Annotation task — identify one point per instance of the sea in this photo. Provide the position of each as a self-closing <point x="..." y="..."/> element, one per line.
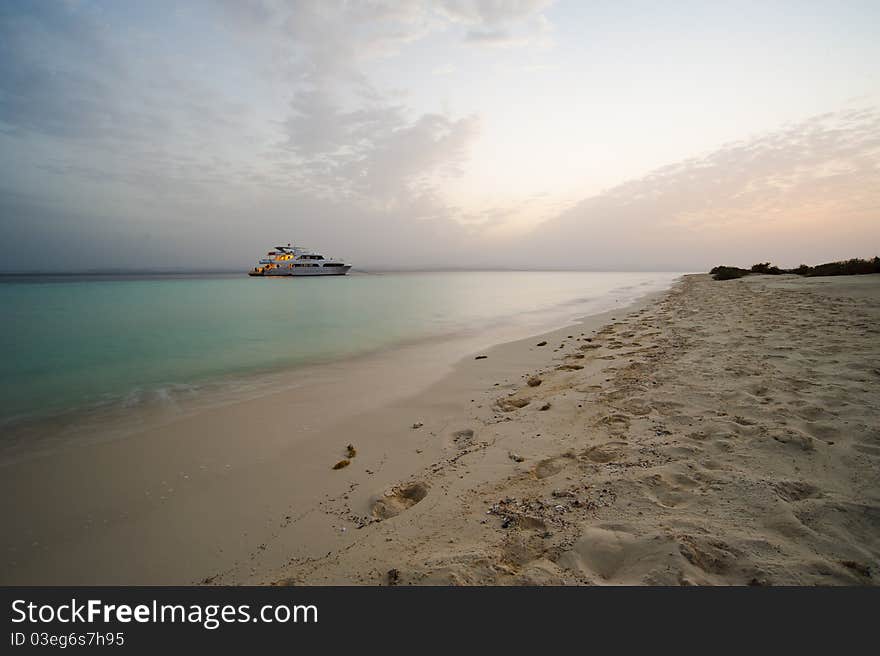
<point x="78" y="349"/>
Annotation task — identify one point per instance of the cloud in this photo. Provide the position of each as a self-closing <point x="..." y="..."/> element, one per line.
<point x="812" y="188"/>
<point x="489" y="37"/>
<point x="32" y="85"/>
<point x="506" y="25"/>
<point x="342" y="136"/>
<point x="235" y="123"/>
<point x="116" y="141"/>
<point x="221" y="234"/>
<point x="375" y="153"/>
<point x="65" y="73"/>
<point x="337" y="35"/>
<point x="413" y="155"/>
<point x="489" y="13"/>
<point x="445" y="69"/>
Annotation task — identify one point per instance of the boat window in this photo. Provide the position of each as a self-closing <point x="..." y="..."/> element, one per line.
<point x="333" y="264"/>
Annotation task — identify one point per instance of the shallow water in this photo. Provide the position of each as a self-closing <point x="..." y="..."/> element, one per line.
<point x="84" y="344"/>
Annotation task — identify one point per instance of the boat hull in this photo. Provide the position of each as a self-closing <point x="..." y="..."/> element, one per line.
<point x="303" y="272"/>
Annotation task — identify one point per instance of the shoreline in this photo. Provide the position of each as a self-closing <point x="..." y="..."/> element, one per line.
<point x="154" y="405"/>
<point x="99" y="509"/>
<point x="714" y="433"/>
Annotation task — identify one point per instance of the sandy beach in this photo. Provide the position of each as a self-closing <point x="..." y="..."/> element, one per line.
<point x="724" y="432"/>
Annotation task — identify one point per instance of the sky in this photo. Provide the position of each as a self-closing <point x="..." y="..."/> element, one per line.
<point x="456" y="133"/>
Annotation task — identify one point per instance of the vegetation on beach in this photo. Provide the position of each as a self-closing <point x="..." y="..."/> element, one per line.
<point x="728" y="272"/>
<point x="855" y="266"/>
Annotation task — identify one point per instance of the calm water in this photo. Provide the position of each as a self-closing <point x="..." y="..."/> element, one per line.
<point x="86" y="344"/>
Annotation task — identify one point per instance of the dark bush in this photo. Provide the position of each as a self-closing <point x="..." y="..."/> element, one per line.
<point x="766" y="268"/>
<point x="852" y="267"/>
<point x="728" y="273"/>
<point x="855" y="266"/>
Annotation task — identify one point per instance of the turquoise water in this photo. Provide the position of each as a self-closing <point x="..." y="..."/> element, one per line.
<point x="75" y="344"/>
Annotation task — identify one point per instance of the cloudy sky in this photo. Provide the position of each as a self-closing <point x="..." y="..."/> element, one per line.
<point x="520" y="133"/>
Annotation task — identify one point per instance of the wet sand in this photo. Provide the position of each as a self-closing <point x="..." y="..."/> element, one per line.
<point x="721" y="433"/>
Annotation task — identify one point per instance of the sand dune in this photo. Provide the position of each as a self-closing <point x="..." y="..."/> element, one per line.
<point x="727" y="433"/>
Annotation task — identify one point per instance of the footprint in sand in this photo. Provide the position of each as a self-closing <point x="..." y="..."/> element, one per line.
<point x="795" y="439"/>
<point x="663" y="492"/>
<point x="551" y="466"/>
<point x="398" y="499"/>
<point x="668" y="408"/>
<point x="603" y="453"/>
<point x="635" y="407"/>
<point x="622" y="554"/>
<point x="813" y="413"/>
<point x="710" y="555"/>
<point x="618" y="423"/>
<point x="795" y="490"/>
<point x="463" y="438"/>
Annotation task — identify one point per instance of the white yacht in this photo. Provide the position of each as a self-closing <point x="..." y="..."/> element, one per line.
<point x="297" y="261"/>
